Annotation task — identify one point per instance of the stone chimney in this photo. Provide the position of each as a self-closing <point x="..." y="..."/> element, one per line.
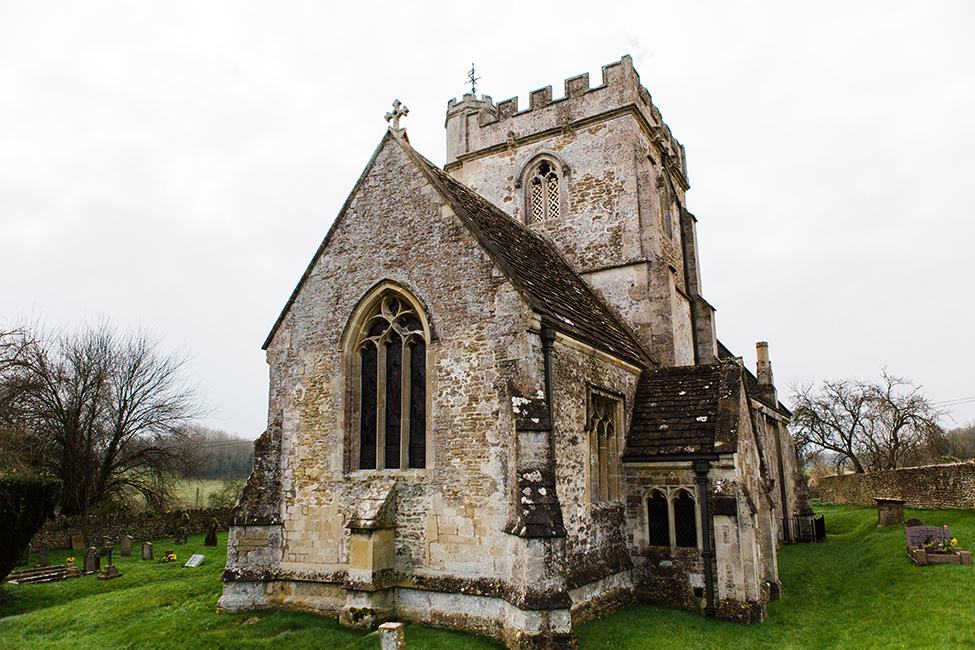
<point x="763" y="371"/>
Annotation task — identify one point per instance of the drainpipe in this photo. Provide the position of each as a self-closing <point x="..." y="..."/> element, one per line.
<point x="548" y="340"/>
<point x="701" y="468"/>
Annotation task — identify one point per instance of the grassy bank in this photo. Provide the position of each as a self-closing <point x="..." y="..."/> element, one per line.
<point x="858" y="590"/>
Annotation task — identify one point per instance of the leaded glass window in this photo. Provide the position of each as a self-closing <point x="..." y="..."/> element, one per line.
<point x="658" y="520"/>
<point x="603" y="412"/>
<point x="685" y="526"/>
<point x="543" y="193"/>
<point x="392" y="387"/>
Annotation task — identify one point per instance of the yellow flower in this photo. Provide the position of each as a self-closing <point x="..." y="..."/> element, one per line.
<point x="954" y="542"/>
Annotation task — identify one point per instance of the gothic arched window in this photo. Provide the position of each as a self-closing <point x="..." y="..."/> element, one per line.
<point x="685" y="526"/>
<point x="671" y="518"/>
<point x="391" y="367"/>
<point x="543" y="193"/>
<point x="658" y="519"/>
<point x="603" y="428"/>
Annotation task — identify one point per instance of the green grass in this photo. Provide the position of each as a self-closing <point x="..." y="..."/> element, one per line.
<point x="858" y="590"/>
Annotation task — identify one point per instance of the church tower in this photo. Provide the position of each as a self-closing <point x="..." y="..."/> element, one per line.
<point x="599" y="173"/>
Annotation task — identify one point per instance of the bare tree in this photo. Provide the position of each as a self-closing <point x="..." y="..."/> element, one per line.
<point x="104" y="410"/>
<point x="873" y="426"/>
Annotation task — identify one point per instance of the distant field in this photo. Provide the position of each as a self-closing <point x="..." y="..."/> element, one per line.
<point x="186" y="492"/>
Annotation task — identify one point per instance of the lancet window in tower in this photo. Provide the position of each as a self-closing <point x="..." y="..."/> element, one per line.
<point x="543" y="193"/>
<point x="391" y="353"/>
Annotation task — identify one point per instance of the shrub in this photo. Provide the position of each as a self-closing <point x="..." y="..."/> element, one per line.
<point x="25" y="503"/>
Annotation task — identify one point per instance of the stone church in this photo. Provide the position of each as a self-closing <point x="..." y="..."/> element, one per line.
<point x="497" y="402"/>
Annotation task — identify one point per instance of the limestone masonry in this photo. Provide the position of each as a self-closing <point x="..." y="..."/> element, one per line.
<point x="497" y="402"/>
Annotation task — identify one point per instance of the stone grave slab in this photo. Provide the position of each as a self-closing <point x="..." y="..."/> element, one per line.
<point x="194" y="561"/>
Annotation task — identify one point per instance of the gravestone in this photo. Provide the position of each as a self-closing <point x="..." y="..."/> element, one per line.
<point x="108" y="557"/>
<point x="917" y="534"/>
<point x="180" y="536"/>
<point x="194" y="561"/>
<point x="211" y="539"/>
<point x="126" y="544"/>
<point x="912" y="522"/>
<point x="146" y="551"/>
<point x="77" y="542"/>
<point x="391" y="636"/>
<point x="42" y="552"/>
<point x="93" y="561"/>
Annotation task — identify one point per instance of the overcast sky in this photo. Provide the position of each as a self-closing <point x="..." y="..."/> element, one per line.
<point x="174" y="165"/>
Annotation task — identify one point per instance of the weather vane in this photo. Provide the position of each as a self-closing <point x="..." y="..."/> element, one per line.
<point x="473" y="80"/>
<point x="399" y="110"/>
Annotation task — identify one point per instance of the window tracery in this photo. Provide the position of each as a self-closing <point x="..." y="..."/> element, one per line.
<point x="603" y="427"/>
<point x="543" y="193"/>
<point x="391" y="353"/>
<point x="672" y="518"/>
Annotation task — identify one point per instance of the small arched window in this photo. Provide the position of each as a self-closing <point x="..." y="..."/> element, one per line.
<point x="658" y="519"/>
<point x="685" y="526"/>
<point x="391" y="355"/>
<point x="671" y="518"/>
<point x="543" y="193"/>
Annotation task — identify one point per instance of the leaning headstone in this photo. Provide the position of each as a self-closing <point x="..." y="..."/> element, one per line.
<point x="194" y="561"/>
<point x="391" y="636"/>
<point x="126" y="544"/>
<point x="42" y="551"/>
<point x="211" y="539"/>
<point x="93" y="561"/>
<point x="77" y="542"/>
<point x="146" y="551"/>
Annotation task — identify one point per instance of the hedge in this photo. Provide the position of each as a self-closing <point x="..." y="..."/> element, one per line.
<point x="25" y="503"/>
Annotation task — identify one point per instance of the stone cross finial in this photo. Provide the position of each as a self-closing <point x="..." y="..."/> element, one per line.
<point x="398" y="111"/>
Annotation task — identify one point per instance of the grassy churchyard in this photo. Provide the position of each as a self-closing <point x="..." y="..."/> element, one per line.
<point x="858" y="590"/>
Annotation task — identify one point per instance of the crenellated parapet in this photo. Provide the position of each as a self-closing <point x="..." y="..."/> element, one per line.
<point x="479" y="127"/>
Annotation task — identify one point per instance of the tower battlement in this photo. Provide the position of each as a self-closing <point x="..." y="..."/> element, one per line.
<point x="479" y="126"/>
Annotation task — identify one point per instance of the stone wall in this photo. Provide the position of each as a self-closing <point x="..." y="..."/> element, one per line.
<point x="57" y="533"/>
<point x="931" y="486"/>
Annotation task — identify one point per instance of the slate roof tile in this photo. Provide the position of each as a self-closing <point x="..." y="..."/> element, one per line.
<point x="675" y="411"/>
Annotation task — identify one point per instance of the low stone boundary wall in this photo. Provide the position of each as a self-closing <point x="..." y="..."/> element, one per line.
<point x="56" y="533"/>
<point x="930" y="487"/>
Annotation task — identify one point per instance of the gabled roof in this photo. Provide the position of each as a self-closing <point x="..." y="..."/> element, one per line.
<point x="685" y="411"/>
<point x="530" y="262"/>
